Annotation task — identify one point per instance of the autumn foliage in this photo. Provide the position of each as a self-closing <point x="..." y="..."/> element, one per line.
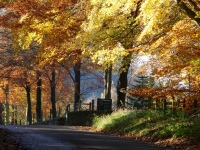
<point x="53" y="37"/>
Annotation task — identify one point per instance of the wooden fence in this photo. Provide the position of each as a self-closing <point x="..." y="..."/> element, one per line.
<point x="166" y="105"/>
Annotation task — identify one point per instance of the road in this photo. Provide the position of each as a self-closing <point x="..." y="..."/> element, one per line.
<point x="38" y="137"/>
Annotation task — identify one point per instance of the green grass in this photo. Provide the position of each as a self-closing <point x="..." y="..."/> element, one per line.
<point x="149" y="123"/>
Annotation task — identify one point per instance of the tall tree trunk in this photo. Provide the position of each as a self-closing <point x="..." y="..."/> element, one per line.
<point x="127" y="43"/>
<point x="1" y="112"/>
<point x="122" y="81"/>
<point x="77" y="84"/>
<point x="28" y="96"/>
<point x="108" y="82"/>
<point x="7" y="104"/>
<point x="53" y="92"/>
<point x="39" y="99"/>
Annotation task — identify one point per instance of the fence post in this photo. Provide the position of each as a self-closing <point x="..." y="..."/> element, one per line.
<point x="155" y="106"/>
<point x="79" y="105"/>
<point x="164" y="105"/>
<point x="172" y="107"/>
<point x="68" y="108"/>
<point x="133" y="106"/>
<point x="92" y="105"/>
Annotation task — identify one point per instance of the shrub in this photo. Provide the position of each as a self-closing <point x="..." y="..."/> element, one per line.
<point x="61" y="121"/>
<point x="84" y="118"/>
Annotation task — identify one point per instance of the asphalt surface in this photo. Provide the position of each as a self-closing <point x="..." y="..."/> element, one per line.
<point x="38" y="137"/>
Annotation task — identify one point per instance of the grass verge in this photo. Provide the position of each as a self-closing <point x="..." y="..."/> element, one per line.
<point x="169" y="130"/>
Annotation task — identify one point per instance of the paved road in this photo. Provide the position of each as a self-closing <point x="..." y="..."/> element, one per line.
<point x="66" y="138"/>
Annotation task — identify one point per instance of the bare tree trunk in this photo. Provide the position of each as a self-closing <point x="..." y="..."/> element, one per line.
<point x="127" y="43"/>
<point x="1" y="112"/>
<point x="39" y="98"/>
<point x="108" y="82"/>
<point x="77" y="83"/>
<point x="122" y="81"/>
<point x="28" y="96"/>
<point x="53" y="92"/>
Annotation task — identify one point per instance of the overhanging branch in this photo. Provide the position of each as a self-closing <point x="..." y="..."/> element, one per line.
<point x="189" y="11"/>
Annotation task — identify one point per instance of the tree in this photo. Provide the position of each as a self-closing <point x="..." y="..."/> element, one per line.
<point x="53" y="25"/>
<point x="39" y="98"/>
<point x="77" y="83"/>
<point x="191" y="8"/>
<point x="140" y="83"/>
<point x="162" y="30"/>
<point x="175" y="48"/>
<point x="22" y="74"/>
<point x="108" y="34"/>
<point x="108" y="82"/>
<point x="29" y="110"/>
<point x="53" y="91"/>
<point x="52" y="82"/>
<point x="143" y="81"/>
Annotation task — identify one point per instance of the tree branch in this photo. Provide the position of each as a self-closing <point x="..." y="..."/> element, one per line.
<point x="189" y="11"/>
<point x="194" y="4"/>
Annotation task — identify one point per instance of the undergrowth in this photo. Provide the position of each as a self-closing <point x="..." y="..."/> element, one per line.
<point x="149" y="123"/>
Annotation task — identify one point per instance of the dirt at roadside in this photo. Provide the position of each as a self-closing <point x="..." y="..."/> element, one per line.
<point x="6" y="142"/>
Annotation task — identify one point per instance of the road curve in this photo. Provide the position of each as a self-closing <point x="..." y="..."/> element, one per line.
<point x="39" y="137"/>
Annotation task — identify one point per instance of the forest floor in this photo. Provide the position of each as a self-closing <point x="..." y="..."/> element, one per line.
<point x="7" y="143"/>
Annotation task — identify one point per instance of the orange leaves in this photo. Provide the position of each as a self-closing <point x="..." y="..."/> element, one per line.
<point x="152" y="92"/>
<point x="141" y="92"/>
<point x="52" y="24"/>
<point x="22" y="7"/>
<point x="63" y="3"/>
<point x="176" y="51"/>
